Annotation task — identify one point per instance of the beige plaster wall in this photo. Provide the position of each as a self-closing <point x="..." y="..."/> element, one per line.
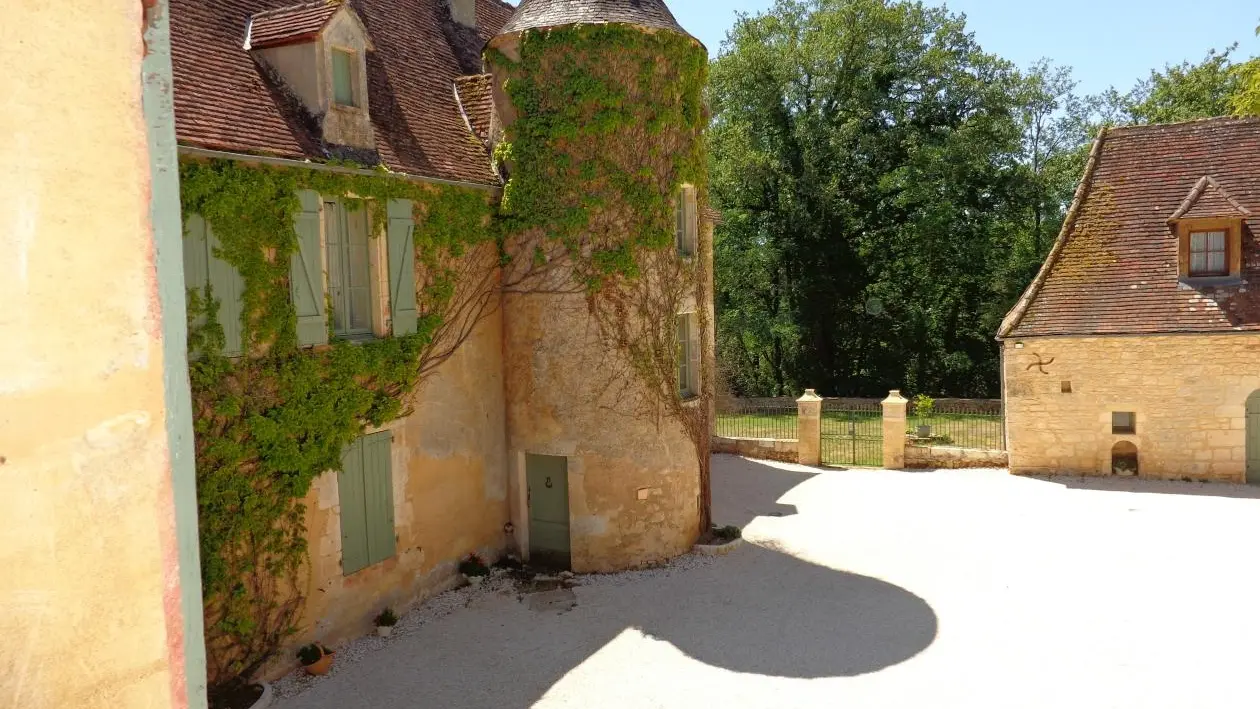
<point x="89" y="592"/>
<point x="634" y="478"/>
<point x="1189" y="393"/>
<point x="450" y="499"/>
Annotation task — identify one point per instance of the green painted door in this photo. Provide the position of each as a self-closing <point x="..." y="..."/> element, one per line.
<point x="548" y="480"/>
<point x="1253" y="439"/>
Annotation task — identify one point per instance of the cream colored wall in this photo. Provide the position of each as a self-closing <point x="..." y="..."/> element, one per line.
<point x="89" y="592"/>
<point x="450" y="499"/>
<point x="1189" y="393"/>
<point x="299" y="66"/>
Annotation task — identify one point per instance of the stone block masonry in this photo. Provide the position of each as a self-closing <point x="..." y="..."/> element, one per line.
<point x="1187" y="392"/>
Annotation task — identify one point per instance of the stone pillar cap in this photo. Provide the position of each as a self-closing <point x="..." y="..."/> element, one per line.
<point x="895" y="397"/>
<point x="810" y="395"/>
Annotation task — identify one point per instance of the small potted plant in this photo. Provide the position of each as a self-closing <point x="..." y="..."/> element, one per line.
<point x="474" y="570"/>
<point x="316" y="659"/>
<point x="385" y="622"/>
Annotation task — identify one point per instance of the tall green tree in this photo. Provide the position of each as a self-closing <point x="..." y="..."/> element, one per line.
<point x="869" y="158"/>
<point x="1246" y="99"/>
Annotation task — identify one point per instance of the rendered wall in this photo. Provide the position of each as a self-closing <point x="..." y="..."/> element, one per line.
<point x="90" y="593"/>
<point x="1189" y="393"/>
<point x="450" y="499"/>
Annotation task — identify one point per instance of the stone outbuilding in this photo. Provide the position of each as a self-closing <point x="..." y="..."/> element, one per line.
<point x="1136" y="350"/>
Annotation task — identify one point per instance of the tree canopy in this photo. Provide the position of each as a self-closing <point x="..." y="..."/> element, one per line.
<point x="889" y="189"/>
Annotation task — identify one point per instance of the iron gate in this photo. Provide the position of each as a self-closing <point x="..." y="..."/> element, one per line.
<point x="852" y="432"/>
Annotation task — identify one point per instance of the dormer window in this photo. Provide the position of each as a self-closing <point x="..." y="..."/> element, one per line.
<point x="318" y="49"/>
<point x="345" y="66"/>
<point x="1209" y="253"/>
<point x="1209" y="227"/>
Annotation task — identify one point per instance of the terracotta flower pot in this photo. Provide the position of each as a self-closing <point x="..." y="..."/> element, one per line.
<point x="322" y="666"/>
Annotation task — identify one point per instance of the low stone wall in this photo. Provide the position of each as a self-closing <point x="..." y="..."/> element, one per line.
<point x="948" y="457"/>
<point x="760" y="448"/>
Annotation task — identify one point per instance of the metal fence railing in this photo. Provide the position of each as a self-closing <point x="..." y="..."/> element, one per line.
<point x="757" y="419"/>
<point x="960" y="424"/>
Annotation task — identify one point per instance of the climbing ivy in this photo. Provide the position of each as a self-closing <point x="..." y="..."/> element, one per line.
<point x="268" y="423"/>
<point x="608" y="128"/>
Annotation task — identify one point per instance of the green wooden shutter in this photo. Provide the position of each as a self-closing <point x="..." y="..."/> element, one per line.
<point x="350" y="494"/>
<point x="229" y="289"/>
<point x="402" y="268"/>
<point x="203" y="267"/>
<point x="378" y="485"/>
<point x="306" y="279"/>
<point x="694" y="385"/>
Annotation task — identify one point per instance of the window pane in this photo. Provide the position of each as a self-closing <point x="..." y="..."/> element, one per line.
<point x="343" y="77"/>
<point x="334" y="241"/>
<point x="358" y="273"/>
<point x="680" y="228"/>
<point x="1198" y="242"/>
<point x="1216" y="262"/>
<point x="1216" y="241"/>
<point x="684" y="359"/>
<point x="1123" y="422"/>
<point x="1198" y="262"/>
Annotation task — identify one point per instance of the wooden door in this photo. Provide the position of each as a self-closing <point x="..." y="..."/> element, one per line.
<point x="548" y="480"/>
<point x="1253" y="439"/>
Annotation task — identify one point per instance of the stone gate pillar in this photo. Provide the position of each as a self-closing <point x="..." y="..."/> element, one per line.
<point x="895" y="430"/>
<point x="809" y="429"/>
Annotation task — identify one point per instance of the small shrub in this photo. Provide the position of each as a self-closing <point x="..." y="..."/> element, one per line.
<point x="387" y="619"/>
<point x="923" y="405"/>
<point x="728" y="533"/>
<point x="472" y="566"/>
<point x="310" y="654"/>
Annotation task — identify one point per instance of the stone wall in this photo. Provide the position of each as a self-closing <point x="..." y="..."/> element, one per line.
<point x="450" y="498"/>
<point x="936" y="457"/>
<point x="1189" y="393"/>
<point x="634" y="476"/>
<point x="759" y="448"/>
<point x="90" y="592"/>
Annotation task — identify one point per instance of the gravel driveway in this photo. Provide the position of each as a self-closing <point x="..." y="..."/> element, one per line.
<point x="870" y="589"/>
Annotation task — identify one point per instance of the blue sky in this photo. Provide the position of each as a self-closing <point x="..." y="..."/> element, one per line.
<point x="1107" y="42"/>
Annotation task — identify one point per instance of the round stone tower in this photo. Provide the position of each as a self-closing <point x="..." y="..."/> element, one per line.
<point x="606" y="470"/>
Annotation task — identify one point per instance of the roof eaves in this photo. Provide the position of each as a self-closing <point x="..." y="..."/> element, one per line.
<point x="1013" y="318"/>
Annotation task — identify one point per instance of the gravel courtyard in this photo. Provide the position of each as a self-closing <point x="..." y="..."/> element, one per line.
<point x="866" y="588"/>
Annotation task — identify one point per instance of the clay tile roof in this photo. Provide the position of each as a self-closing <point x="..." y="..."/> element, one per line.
<point x="475" y="100"/>
<point x="533" y="14"/>
<point x="288" y="25"/>
<point x="1114" y="268"/>
<point x="1208" y="199"/>
<point x="226" y="99"/>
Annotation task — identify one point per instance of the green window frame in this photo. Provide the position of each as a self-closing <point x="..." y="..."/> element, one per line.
<point x="365" y="490"/>
<point x="343" y="71"/>
<point x="347" y="245"/>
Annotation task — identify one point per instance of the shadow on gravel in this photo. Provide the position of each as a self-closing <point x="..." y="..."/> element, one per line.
<point x="1154" y="487"/>
<point x="764" y="612"/>
<point x="755" y="611"/>
<point x="744" y="490"/>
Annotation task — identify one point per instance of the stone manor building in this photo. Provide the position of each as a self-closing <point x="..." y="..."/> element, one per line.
<point x="509" y="446"/>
